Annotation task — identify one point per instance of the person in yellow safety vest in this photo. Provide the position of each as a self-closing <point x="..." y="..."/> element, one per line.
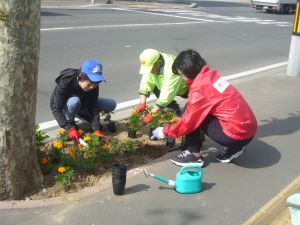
<point x="157" y="77"/>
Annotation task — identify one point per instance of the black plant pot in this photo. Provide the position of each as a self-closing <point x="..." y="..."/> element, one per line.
<point x="132" y="133"/>
<point x="118" y="186"/>
<point x="111" y="126"/>
<point x="170" y="142"/>
<point x="119" y="178"/>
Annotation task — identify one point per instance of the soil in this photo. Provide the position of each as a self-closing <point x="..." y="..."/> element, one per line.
<point x="148" y="151"/>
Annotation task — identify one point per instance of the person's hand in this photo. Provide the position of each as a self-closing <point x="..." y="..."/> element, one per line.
<point x="141" y="107"/>
<point x="158" y="133"/>
<point x="73" y="134"/>
<point x="147" y="118"/>
<point x="100" y="134"/>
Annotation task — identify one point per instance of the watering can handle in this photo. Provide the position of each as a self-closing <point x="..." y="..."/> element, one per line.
<point x="183" y="169"/>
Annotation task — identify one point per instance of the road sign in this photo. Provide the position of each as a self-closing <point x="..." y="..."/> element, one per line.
<point x="296" y="28"/>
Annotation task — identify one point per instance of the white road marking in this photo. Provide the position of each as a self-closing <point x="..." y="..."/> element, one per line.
<point x="118" y="25"/>
<point x="131" y="103"/>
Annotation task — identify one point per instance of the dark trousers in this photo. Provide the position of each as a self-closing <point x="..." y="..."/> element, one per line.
<point x="212" y="128"/>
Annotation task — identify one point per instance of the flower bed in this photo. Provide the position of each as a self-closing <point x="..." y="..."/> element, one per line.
<point x="68" y="166"/>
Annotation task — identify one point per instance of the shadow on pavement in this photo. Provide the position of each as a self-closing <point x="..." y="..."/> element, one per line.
<point x="47" y="13"/>
<point x="184" y="216"/>
<point x="136" y="188"/>
<point x="261" y="154"/>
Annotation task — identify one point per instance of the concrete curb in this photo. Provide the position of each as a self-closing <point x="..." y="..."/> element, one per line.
<point x="275" y="211"/>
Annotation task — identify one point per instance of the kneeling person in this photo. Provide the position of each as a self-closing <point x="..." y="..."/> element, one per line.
<point x="76" y="94"/>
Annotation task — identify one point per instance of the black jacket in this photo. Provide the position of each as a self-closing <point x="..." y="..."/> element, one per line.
<point x="67" y="86"/>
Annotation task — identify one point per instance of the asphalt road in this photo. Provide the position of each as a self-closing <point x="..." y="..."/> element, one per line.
<point x="232" y="37"/>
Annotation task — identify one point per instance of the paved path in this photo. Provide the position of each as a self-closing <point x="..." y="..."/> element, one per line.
<point x="232" y="193"/>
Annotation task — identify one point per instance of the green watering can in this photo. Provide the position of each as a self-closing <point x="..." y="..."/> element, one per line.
<point x="188" y="179"/>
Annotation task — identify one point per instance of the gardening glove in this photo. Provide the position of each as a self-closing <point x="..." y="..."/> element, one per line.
<point x="147" y="118"/>
<point x="100" y="134"/>
<point x="73" y="134"/>
<point x="141" y="107"/>
<point x="158" y="133"/>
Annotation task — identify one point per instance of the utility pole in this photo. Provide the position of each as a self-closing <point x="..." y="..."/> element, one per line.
<point x="293" y="68"/>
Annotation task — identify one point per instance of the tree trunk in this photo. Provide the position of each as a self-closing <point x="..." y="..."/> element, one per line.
<point x="19" y="56"/>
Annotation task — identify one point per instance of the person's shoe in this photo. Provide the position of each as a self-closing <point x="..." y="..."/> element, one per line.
<point x="227" y="155"/>
<point x="186" y="158"/>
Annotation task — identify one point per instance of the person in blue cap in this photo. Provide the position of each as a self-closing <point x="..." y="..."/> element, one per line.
<point x="76" y="94"/>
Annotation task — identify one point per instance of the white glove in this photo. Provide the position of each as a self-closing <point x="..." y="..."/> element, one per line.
<point x="158" y="133"/>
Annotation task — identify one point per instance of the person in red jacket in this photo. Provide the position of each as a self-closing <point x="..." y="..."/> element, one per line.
<point x="214" y="107"/>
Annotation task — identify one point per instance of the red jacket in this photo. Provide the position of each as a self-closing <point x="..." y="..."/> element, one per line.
<point x="209" y="93"/>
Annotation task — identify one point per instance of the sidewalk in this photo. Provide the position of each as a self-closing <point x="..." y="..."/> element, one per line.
<point x="234" y="193"/>
<point x="250" y="191"/>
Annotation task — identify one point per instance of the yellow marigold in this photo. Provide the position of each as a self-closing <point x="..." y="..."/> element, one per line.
<point x="57" y="144"/>
<point x="173" y="120"/>
<point x="134" y="111"/>
<point x="80" y="145"/>
<point x="72" y="150"/>
<point x="81" y="132"/>
<point x="60" y="131"/>
<point x="61" y="169"/>
<point x="168" y="113"/>
<point x="44" y="160"/>
<point x="87" y="138"/>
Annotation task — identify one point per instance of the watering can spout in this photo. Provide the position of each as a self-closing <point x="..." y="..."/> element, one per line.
<point x="167" y="181"/>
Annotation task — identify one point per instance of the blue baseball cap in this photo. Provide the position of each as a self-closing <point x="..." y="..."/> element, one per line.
<point x="93" y="69"/>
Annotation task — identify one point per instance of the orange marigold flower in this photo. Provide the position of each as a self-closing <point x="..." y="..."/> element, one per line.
<point x="80" y="145"/>
<point x="61" y="169"/>
<point x="57" y="144"/>
<point x="72" y="156"/>
<point x="72" y="150"/>
<point x="81" y="132"/>
<point x="44" y="160"/>
<point x="60" y="131"/>
<point x="87" y="138"/>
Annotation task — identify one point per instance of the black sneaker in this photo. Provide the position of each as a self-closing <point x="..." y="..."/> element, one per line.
<point x="186" y="158"/>
<point x="227" y="155"/>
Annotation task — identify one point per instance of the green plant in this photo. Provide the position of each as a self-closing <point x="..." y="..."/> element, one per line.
<point x="63" y="135"/>
<point x="156" y="120"/>
<point x="134" y="120"/>
<point x="65" y="176"/>
<point x="121" y="146"/>
<point x="40" y="141"/>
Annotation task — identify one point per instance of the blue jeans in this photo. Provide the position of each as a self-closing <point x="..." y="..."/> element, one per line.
<point x="75" y="107"/>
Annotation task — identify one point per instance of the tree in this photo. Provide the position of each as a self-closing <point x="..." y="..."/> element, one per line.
<point x="19" y="56"/>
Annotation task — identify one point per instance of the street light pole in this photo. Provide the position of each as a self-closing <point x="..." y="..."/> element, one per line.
<point x="293" y="68"/>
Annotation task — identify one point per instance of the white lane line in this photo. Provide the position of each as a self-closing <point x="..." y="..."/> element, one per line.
<point x="131" y="103"/>
<point x="167" y="15"/>
<point x="258" y="70"/>
<point x="118" y="25"/>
